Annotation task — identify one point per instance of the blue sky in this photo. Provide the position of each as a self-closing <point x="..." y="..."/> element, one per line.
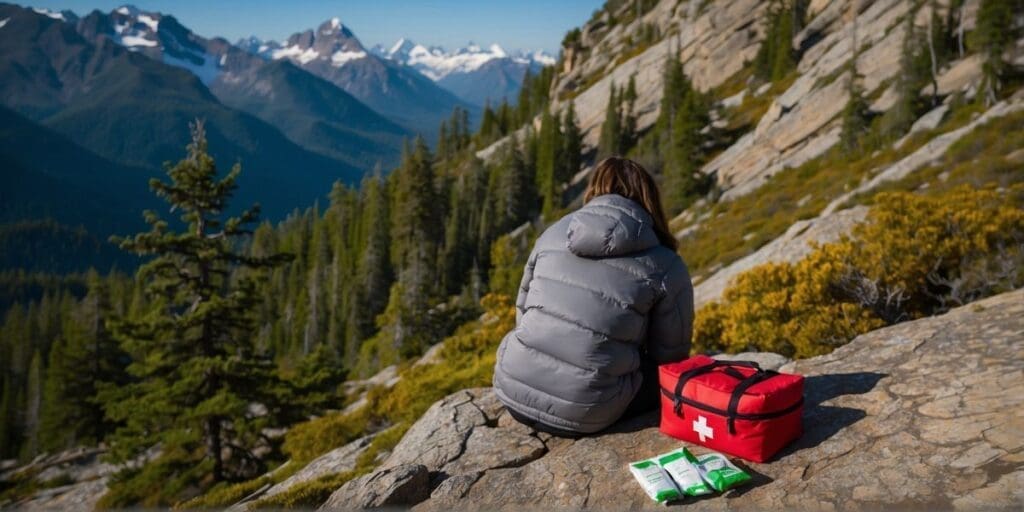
<point x="526" y="24"/>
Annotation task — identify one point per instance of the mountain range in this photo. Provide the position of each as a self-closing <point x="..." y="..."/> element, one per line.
<point x="475" y="74"/>
<point x="118" y="89"/>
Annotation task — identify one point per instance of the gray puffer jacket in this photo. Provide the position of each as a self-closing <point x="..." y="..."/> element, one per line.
<point x="598" y="291"/>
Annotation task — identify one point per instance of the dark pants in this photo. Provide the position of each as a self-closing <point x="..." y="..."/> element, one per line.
<point x="649" y="396"/>
<point x="646" y="400"/>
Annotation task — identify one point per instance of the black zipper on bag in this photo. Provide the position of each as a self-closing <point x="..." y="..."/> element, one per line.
<point x="739" y="416"/>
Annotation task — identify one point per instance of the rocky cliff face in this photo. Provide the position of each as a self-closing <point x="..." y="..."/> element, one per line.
<point x="714" y="41"/>
<point x="925" y="414"/>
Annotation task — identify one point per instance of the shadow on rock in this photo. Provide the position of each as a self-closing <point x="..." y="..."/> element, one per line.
<point x="635" y="424"/>
<point x="821" y="422"/>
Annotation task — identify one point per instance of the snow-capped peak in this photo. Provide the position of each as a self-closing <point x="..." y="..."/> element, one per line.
<point x="401" y="47"/>
<point x="162" y="37"/>
<point x="331" y="26"/>
<point x="128" y="10"/>
<point x="332" y="42"/>
<point x="134" y="28"/>
<point x="436" y="63"/>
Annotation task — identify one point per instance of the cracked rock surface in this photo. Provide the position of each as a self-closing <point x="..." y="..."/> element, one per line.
<point x="924" y="414"/>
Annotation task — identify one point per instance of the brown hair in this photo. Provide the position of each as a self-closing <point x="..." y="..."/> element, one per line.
<point x="622" y="176"/>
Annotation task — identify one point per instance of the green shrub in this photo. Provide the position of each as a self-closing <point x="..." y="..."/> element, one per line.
<point x="307" y="494"/>
<point x="224" y="494"/>
<point x="311" y="439"/>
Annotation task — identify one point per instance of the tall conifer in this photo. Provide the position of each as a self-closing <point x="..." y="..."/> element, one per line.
<point x="195" y="366"/>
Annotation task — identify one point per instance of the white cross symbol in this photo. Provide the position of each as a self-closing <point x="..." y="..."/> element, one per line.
<point x="700" y="426"/>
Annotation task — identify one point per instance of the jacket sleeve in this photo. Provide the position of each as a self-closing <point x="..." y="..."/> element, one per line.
<point x="671" y="323"/>
<point x="524" y="286"/>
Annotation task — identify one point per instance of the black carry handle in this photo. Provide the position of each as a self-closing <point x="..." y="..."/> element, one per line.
<point x="734" y="401"/>
<point x="737" y="393"/>
<point x="689" y="374"/>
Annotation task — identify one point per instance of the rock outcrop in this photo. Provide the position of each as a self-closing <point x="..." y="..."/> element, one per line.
<point x="82" y="470"/>
<point x="924" y="414"/>
<point x="790" y="247"/>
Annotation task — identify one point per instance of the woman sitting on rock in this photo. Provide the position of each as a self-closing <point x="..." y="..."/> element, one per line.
<point x="604" y="300"/>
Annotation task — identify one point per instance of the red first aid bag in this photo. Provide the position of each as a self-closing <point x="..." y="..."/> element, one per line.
<point x="733" y="407"/>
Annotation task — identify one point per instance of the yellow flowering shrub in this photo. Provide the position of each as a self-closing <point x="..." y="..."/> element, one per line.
<point x="915" y="255"/>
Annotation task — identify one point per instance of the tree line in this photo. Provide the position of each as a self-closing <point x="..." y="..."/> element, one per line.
<point x="233" y="326"/>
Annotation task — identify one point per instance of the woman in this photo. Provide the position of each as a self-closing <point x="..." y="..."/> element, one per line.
<point x="604" y="300"/>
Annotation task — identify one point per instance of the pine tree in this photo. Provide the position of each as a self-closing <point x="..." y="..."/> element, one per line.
<point x="524" y="108"/>
<point x="990" y="38"/>
<point x="516" y="193"/>
<point x="675" y="87"/>
<point x="776" y="57"/>
<point x="9" y="431"/>
<point x="628" y="111"/>
<point x="443" y="148"/>
<point x="908" y="83"/>
<point x="33" y="405"/>
<point x="374" y="273"/>
<point x="683" y="179"/>
<point x="572" y="146"/>
<point x="55" y="432"/>
<point x="196" y="372"/>
<point x="611" y="129"/>
<point x="856" y="114"/>
<point x="419" y="232"/>
<point x="489" y="127"/>
<point x="549" y="157"/>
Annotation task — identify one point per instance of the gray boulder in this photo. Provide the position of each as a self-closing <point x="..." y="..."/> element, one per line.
<point x="396" y="486"/>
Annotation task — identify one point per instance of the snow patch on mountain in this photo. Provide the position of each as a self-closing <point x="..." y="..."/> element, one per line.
<point x="206" y="69"/>
<point x="341" y="57"/>
<point x="4" y="22"/>
<point x="61" y="15"/>
<point x="131" y="41"/>
<point x="303" y="55"/>
<point x="149" y="21"/>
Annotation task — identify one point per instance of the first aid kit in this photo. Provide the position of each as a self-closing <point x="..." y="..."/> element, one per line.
<point x="733" y="407"/>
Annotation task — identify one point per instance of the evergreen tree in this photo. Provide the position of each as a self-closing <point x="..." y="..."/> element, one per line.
<point x="374" y="275"/>
<point x="489" y="126"/>
<point x="628" y="111"/>
<point x="33" y="405"/>
<point x="856" y="113"/>
<point x="55" y="433"/>
<point x="675" y="87"/>
<point x="9" y="431"/>
<point x="516" y="193"/>
<point x="776" y="58"/>
<point x="611" y="129"/>
<point x="909" y="81"/>
<point x="419" y="232"/>
<point x="549" y="157"/>
<point x="990" y="38"/>
<point x="572" y="146"/>
<point x="195" y="367"/>
<point x="84" y="359"/>
<point x="683" y="179"/>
